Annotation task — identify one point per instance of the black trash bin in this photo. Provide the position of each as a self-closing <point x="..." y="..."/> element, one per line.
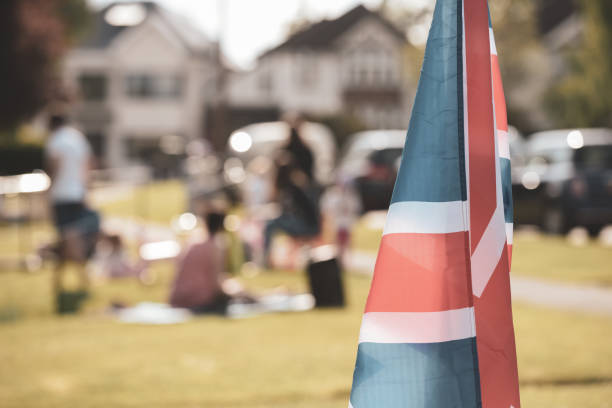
<point x="325" y="277"/>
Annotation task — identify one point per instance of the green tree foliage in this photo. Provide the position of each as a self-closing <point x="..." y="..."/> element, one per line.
<point x="583" y="98"/>
<point x="76" y="18"/>
<point x="34" y="35"/>
<point x="520" y="53"/>
<point x="516" y="37"/>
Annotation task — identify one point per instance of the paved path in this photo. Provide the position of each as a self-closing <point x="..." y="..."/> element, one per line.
<point x="562" y="296"/>
<point x="565" y="296"/>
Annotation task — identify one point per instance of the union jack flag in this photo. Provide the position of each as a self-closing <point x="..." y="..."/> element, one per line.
<point x="437" y="330"/>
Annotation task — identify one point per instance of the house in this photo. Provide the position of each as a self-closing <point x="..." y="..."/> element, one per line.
<point x="141" y="77"/>
<point x="352" y="64"/>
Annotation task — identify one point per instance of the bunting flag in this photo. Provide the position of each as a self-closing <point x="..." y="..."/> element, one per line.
<point x="437" y="330"/>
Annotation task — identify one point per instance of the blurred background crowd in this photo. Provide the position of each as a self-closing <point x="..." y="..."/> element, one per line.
<point x="202" y="154"/>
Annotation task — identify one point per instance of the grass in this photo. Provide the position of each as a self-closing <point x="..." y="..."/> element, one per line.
<point x="157" y="202"/>
<point x="274" y="361"/>
<point x="554" y="258"/>
<point x="21" y="239"/>
<point x="284" y="360"/>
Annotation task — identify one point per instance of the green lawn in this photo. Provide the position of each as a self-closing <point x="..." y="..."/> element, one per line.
<point x="274" y="361"/>
<point x="550" y="257"/>
<point x="157" y="202"/>
<point x="21" y="239"/>
<point x="284" y="360"/>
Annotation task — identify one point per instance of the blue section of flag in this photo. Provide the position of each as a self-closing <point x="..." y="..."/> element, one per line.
<point x="432" y="163"/>
<point x="435" y="375"/>
<point x="506" y="176"/>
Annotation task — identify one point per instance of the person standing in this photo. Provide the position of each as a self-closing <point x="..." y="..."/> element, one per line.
<point x="69" y="159"/>
<point x="296" y="191"/>
<point x="296" y="151"/>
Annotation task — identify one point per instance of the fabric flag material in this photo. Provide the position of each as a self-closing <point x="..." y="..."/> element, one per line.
<point x="437" y="330"/>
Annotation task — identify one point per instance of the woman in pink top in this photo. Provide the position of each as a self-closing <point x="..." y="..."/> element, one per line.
<point x="198" y="282"/>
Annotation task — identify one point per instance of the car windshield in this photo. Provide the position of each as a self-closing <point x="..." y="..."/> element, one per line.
<point x="594" y="157"/>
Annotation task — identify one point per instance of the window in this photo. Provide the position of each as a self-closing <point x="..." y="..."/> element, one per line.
<point x="370" y="67"/>
<point x="93" y="87"/>
<point x="145" y="86"/>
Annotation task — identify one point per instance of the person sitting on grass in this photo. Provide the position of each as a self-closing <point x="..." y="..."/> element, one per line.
<point x="200" y="278"/>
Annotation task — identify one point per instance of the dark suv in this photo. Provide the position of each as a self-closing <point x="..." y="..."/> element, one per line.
<point x="566" y="181"/>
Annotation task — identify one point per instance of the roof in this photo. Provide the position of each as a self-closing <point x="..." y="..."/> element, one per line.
<point x="321" y="35"/>
<point x="102" y="34"/>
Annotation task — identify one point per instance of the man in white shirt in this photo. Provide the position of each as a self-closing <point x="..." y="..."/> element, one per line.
<point x="68" y="156"/>
<point x="69" y="159"/>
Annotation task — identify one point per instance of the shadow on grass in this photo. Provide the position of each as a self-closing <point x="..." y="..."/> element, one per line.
<point x="9" y="314"/>
<point x="333" y="398"/>
<point x="564" y="382"/>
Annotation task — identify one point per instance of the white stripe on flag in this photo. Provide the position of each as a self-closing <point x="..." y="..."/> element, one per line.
<point x="510" y="232"/>
<point x="427" y="217"/>
<point x="487" y="254"/>
<point x="488" y="251"/>
<point x="492" y="41"/>
<point x="417" y="327"/>
<point x="504" y="144"/>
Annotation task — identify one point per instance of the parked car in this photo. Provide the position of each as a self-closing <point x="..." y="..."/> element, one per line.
<point x="566" y="180"/>
<point x="370" y="162"/>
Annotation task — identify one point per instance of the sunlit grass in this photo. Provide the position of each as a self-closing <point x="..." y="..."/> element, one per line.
<point x="554" y="258"/>
<point x="302" y="360"/>
<point x="284" y="360"/>
<point x="157" y="202"/>
<point x="23" y="238"/>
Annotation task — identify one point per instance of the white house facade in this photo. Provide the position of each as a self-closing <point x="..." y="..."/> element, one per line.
<point x="141" y="78"/>
<point x="355" y="63"/>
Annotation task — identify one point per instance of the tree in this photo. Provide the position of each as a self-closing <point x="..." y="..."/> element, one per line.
<point x="584" y="97"/>
<point x="514" y="23"/>
<point x="33" y="36"/>
<point x="523" y="61"/>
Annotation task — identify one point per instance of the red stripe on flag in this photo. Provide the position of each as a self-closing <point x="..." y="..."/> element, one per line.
<point x="501" y="119"/>
<point x="421" y="273"/>
<point x="509" y="256"/>
<point x="480" y="118"/>
<point x="495" y="341"/>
